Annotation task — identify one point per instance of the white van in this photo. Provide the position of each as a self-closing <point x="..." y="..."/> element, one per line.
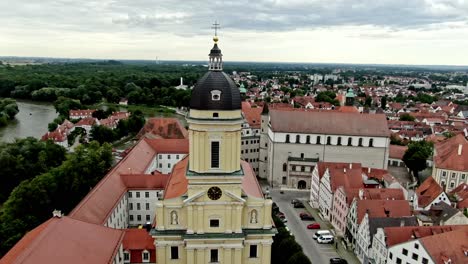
<point x="325" y="239"/>
<point x="321" y="233"/>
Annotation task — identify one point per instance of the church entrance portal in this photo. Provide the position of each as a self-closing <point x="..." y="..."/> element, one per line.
<point x="301" y="184"/>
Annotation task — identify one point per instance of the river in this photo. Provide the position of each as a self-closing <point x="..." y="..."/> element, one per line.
<point x="31" y="121"/>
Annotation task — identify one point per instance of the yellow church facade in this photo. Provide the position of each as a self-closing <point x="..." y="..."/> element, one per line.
<point x="213" y="209"/>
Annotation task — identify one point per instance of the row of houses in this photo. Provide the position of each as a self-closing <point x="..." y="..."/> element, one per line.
<point x="358" y="201"/>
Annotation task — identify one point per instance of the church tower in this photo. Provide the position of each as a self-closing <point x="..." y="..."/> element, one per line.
<point x="350" y="97"/>
<point x="213" y="209"/>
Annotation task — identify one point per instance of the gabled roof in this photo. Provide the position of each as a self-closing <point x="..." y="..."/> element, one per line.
<point x="98" y="204"/>
<point x="155" y="181"/>
<point x="66" y="240"/>
<point x="460" y="194"/>
<point x="163" y="128"/>
<point x="161" y="145"/>
<point x="381" y="222"/>
<point x="447" y="246"/>
<point x="428" y="191"/>
<point x="87" y="121"/>
<point x="382" y="194"/>
<point x="329" y="122"/>
<point x="447" y="154"/>
<point x="398" y="235"/>
<point x="322" y="166"/>
<point x="397" y="152"/>
<point x="382" y="208"/>
<point x="347" y="177"/>
<point x="252" y="114"/>
<point x="135" y="239"/>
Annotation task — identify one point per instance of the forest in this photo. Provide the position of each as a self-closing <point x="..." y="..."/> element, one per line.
<point x="89" y="83"/>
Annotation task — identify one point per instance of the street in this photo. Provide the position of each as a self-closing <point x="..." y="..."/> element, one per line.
<point x="317" y="253"/>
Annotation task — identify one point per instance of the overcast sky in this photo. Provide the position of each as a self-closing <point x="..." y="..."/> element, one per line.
<point x="341" y="31"/>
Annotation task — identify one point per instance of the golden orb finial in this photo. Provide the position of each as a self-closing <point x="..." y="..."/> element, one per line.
<point x="215" y="39"/>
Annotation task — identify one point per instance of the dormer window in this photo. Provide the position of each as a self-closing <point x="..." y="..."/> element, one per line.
<point x="215" y="95"/>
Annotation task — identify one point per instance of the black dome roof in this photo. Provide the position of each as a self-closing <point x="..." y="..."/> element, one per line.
<point x="230" y="98"/>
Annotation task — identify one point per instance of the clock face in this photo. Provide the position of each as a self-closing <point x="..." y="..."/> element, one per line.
<point x="214" y="193"/>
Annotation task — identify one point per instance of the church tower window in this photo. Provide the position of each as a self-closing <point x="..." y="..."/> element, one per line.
<point x="298" y="139"/>
<point x="328" y="140"/>
<point x="214" y="255"/>
<point x="287" y="138"/>
<point x="371" y="142"/>
<point x="350" y="141"/>
<point x="215" y="154"/>
<point x="339" y="141"/>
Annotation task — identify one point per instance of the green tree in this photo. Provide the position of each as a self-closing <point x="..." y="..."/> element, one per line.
<point x="416" y="156"/>
<point x="406" y="117"/>
<point x="52" y="126"/>
<point x="299" y="258"/>
<point x="102" y="134"/>
<point x="383" y="102"/>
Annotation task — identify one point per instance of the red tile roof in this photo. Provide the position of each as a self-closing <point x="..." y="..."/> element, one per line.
<point x="66" y="240"/>
<point x="447" y="246"/>
<point x="88" y="121"/>
<point x="460" y="194"/>
<point x="329" y="122"/>
<point x="382" y="194"/>
<point x="401" y="234"/>
<point x="347" y="177"/>
<point x="382" y="208"/>
<point x="446" y="154"/>
<point x="347" y="109"/>
<point x="169" y="145"/>
<point x="378" y="174"/>
<point x="252" y="114"/>
<point x="137" y="239"/>
<point x="428" y="191"/>
<point x="82" y="112"/>
<point x="397" y="152"/>
<point x="323" y="165"/>
<point x="156" y="181"/>
<point x="98" y="204"/>
<point x="177" y="184"/>
<point x="163" y="128"/>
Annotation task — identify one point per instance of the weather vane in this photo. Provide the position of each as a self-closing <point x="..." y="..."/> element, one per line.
<point x="216" y="26"/>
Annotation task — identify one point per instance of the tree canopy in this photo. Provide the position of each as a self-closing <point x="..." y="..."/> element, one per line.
<point x="416" y="156"/>
<point x="8" y="110"/>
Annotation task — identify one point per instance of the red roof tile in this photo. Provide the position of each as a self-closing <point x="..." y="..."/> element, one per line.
<point x="137" y="239"/>
<point x="252" y="114"/>
<point x="461" y="195"/>
<point x="163" y="128"/>
<point x="98" y="204"/>
<point x="66" y="240"/>
<point x="401" y="234"/>
<point x="382" y="194"/>
<point x="382" y="208"/>
<point x="329" y="122"/>
<point x="156" y="181"/>
<point x="88" y="121"/>
<point x="428" y="191"/>
<point x="347" y="109"/>
<point x="447" y="246"/>
<point x="347" y="177"/>
<point x="397" y="152"/>
<point x="169" y="145"/>
<point x="446" y="154"/>
<point x="378" y="174"/>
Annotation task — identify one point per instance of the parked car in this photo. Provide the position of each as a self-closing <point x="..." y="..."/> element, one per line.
<point x="338" y="261"/>
<point x="305" y="217"/>
<point x="313" y="226"/>
<point x="298" y="205"/>
<point x="321" y="233"/>
<point x="325" y="239"/>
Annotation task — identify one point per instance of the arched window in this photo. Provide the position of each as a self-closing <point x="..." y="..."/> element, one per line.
<point x="350" y="141"/>
<point x="339" y="141"/>
<point x="285" y="166"/>
<point x="298" y="139"/>
<point x="371" y="142"/>
<point x="287" y="138"/>
<point x="308" y="139"/>
<point x="328" y="140"/>
<point x="318" y="140"/>
<point x="360" y="142"/>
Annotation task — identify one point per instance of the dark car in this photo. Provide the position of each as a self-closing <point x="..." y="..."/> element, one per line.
<point x="338" y="261"/>
<point x="306" y="217"/>
<point x="298" y="205"/>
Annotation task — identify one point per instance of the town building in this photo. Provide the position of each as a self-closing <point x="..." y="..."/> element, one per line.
<point x="428" y="194"/>
<point x="450" y="162"/>
<point x="459" y="197"/>
<point x="81" y="113"/>
<point x="441" y="214"/>
<point x="310" y="136"/>
<point x="250" y="135"/>
<point x="213" y="209"/>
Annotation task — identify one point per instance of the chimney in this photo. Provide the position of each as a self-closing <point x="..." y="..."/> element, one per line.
<point x="361" y="193"/>
<point x="460" y="148"/>
<point x="350" y="165"/>
<point x="369" y="170"/>
<point x="344" y="170"/>
<point x="57" y="213"/>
